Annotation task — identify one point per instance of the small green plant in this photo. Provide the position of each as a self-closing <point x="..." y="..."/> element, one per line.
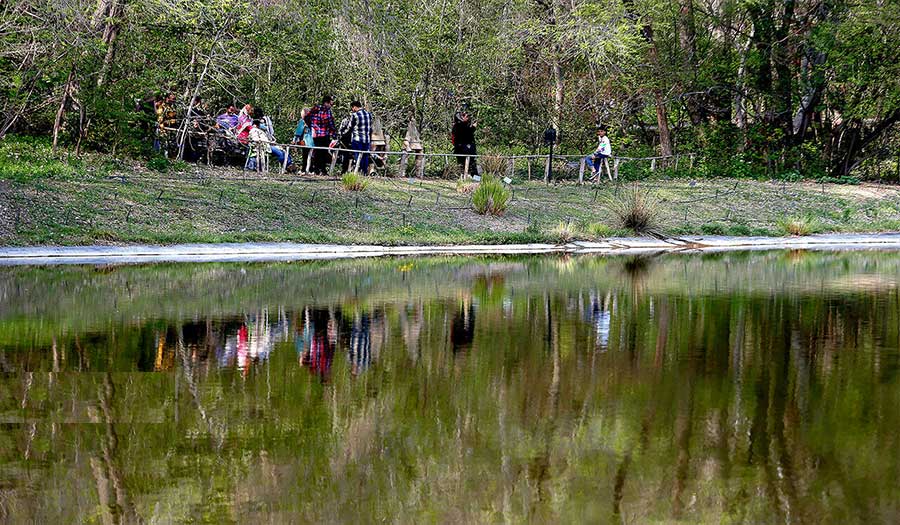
<point x="158" y="163"/>
<point x="740" y="230"/>
<point x="635" y="210"/>
<point x="713" y="228"/>
<point x="598" y="230"/>
<point x="563" y="232"/>
<point x="352" y="181"/>
<point x="799" y="225"/>
<point x="491" y="196"/>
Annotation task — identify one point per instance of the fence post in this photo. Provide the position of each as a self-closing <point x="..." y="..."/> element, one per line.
<point x="404" y="158"/>
<point x="547" y="172"/>
<point x="581" y="172"/>
<point x="422" y="167"/>
<point x="465" y="172"/>
<point x="653" y="164"/>
<point x="287" y="154"/>
<point x="616" y="168"/>
<point x="529" y="167"/>
<point x="334" y="158"/>
<point x="511" y="171"/>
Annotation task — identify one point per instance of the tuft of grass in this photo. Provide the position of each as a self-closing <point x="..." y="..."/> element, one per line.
<point x="598" y="230"/>
<point x="158" y="163"/>
<point x="713" y="228"/>
<point x="352" y="181"/>
<point x="635" y="210"/>
<point x="491" y="197"/>
<point x="799" y="225"/>
<point x="564" y="232"/>
<point x="493" y="164"/>
<point x="451" y="171"/>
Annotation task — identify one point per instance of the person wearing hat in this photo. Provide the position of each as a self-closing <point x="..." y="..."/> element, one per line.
<point x="463" y="138"/>
<point x="600" y="157"/>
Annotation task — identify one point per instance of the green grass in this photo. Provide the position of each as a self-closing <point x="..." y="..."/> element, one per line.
<point x="55" y="199"/>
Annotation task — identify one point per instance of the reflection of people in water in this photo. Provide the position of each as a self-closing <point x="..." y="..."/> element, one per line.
<point x="600" y="317"/>
<point x="360" y="350"/>
<point x="411" y="322"/>
<point x="321" y="342"/>
<point x="462" y="328"/>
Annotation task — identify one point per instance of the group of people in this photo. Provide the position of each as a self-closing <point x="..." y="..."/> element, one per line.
<point x="317" y="135"/>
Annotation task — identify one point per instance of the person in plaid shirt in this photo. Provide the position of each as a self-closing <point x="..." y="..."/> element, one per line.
<point x="361" y="127"/>
<point x="322" y="124"/>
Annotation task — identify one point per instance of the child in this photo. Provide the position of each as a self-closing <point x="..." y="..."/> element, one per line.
<point x="604" y="152"/>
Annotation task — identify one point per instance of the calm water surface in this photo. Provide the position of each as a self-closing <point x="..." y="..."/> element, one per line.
<point x="737" y="388"/>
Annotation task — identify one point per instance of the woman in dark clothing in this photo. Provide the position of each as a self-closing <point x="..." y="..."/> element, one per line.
<point x="463" y="137"/>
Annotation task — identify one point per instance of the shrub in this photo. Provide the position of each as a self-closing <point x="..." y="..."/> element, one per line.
<point x="799" y="225"/>
<point x="491" y="196"/>
<point x="563" y="232"/>
<point x="635" y="210"/>
<point x="353" y="182"/>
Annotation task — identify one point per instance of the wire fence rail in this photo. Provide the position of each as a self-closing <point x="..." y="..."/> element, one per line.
<point x="381" y="159"/>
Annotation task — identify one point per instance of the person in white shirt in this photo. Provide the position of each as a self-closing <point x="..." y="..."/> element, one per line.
<point x="259" y="136"/>
<point x="601" y="157"/>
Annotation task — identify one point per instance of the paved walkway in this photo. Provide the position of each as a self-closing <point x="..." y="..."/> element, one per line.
<point x="243" y="252"/>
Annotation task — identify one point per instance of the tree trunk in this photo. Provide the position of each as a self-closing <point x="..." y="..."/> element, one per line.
<point x="61" y="112"/>
<point x="662" y="119"/>
<point x="115" y="10"/>
<point x="687" y="42"/>
<point x="849" y="149"/>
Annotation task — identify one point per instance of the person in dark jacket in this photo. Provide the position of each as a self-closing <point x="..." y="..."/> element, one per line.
<point x="463" y="136"/>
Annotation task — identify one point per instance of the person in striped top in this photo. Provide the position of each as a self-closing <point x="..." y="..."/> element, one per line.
<point x="361" y="139"/>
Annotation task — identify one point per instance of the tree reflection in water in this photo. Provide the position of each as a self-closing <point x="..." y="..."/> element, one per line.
<point x="731" y="387"/>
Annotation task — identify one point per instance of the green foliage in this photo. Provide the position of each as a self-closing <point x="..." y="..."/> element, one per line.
<point x="158" y="163"/>
<point x="563" y="232"/>
<point x="26" y="159"/>
<point x="491" y="197"/>
<point x="598" y="230"/>
<point x="799" y="225"/>
<point x="352" y="181"/>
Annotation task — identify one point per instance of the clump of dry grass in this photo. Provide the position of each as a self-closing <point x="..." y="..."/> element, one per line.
<point x="451" y="171"/>
<point x="466" y="188"/>
<point x="635" y="210"/>
<point x="493" y="164"/>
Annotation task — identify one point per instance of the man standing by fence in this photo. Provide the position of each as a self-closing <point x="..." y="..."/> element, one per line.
<point x="361" y="127"/>
<point x="322" y="124"/>
<point x="463" y="137"/>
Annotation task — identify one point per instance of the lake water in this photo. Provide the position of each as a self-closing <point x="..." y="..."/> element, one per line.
<point x="739" y="387"/>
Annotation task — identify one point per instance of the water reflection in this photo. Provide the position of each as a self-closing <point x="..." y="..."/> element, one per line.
<point x="735" y="387"/>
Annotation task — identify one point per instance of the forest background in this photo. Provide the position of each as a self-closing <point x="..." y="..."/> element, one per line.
<point x="763" y="88"/>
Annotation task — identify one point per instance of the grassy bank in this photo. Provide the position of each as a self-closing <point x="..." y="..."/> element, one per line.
<point x="97" y="200"/>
